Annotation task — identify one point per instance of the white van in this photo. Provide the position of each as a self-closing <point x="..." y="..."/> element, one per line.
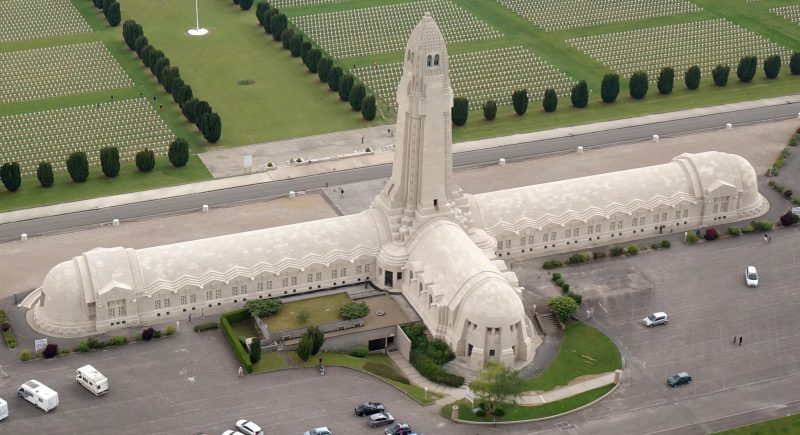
<point x="3" y="409"/>
<point x="37" y="393"/>
<point x="92" y="379"/>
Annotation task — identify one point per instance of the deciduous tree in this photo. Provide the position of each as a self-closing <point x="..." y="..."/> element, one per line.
<point x="496" y="386"/>
<point x="264" y="307"/>
<point x="563" y="307"/>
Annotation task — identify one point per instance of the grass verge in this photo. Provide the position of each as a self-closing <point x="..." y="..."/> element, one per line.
<point x="517" y="413"/>
<point x="269" y="361"/>
<point x="584" y="351"/>
<point x="785" y="425"/>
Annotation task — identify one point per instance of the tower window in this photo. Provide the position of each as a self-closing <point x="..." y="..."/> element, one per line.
<point x="435" y="202"/>
<point x="430" y="60"/>
<point x="436" y="60"/>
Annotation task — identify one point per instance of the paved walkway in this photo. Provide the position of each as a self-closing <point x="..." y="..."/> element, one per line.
<point x="530" y="399"/>
<point x="348" y="145"/>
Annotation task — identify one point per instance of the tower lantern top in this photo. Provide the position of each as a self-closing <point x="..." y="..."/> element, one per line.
<point x="426" y="51"/>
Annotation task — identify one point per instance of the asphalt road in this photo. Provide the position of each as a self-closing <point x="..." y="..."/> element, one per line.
<point x="523" y="150"/>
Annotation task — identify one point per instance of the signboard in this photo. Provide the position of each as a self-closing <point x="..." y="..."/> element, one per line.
<point x="40" y="344"/>
<point x="247" y="159"/>
<point x="470" y="396"/>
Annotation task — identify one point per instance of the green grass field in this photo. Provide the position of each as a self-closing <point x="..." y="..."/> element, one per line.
<point x="780" y="426"/>
<point x="584" y="351"/>
<point x="324" y="309"/>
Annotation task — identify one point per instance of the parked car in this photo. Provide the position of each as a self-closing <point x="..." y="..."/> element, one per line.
<point x="380" y="419"/>
<point x="319" y="431"/>
<point x="679" y="379"/>
<point x="369" y="408"/>
<point x="398" y="429"/>
<point x="654" y="319"/>
<point x="232" y="432"/>
<point x="249" y="428"/>
<point x="751" y="276"/>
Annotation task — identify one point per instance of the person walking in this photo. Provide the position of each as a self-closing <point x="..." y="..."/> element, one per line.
<point x="734" y="339"/>
<point x="241" y="371"/>
<point x="740" y="340"/>
<point x="190" y="318"/>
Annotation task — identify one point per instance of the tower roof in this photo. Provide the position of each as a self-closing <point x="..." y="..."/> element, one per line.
<point x="426" y="37"/>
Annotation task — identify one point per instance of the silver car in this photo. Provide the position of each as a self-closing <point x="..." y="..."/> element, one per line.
<point x="654" y="319"/>
<point x="380" y="419"/>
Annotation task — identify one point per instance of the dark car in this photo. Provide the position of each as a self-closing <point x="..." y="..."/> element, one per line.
<point x="679" y="379"/>
<point x="369" y="408"/>
<point x="398" y="429"/>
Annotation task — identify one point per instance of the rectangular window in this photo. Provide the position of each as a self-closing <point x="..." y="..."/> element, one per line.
<point x="166" y="303"/>
<point x="218" y="293"/>
<point x="319" y="276"/>
<point x="122" y="310"/>
<point x="590" y="229"/>
<point x="208" y="295"/>
<point x="664" y="217"/>
<point x="491" y="352"/>
<point x="192" y="298"/>
<point x="285" y="282"/>
<point x="613" y="225"/>
<point x="508" y="244"/>
<point x="310" y="277"/>
<point x="686" y="213"/>
<point x="655" y="219"/>
<point x="530" y="240"/>
<point x="619" y="225"/>
<point x="359" y="270"/>
<point x="545" y="237"/>
<point x="158" y="304"/>
<point x="366" y="268"/>
<point x="500" y="245"/>
<point x="569" y="233"/>
<point x="334" y="274"/>
<point x="294" y="280"/>
<point x="553" y="236"/>
<point x="269" y="285"/>
<point x="642" y="220"/>
<point x="577" y="232"/>
<point x="235" y="291"/>
<point x="112" y="312"/>
<point x="522" y="241"/>
<point x="183" y="300"/>
<point x="598" y="228"/>
<point x="243" y="289"/>
<point x="343" y="272"/>
<point x="635" y="222"/>
<point x="260" y="286"/>
<point x="677" y="214"/>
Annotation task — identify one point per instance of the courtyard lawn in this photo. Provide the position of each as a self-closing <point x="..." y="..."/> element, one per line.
<point x="584" y="351"/>
<point x="245" y="328"/>
<point x="516" y="413"/>
<point x="779" y="426"/>
<point x="269" y="361"/>
<point x="31" y="194"/>
<point x="324" y="309"/>
<point x="284" y="100"/>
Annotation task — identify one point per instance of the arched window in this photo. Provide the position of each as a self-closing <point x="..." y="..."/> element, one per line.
<point x="430" y="59"/>
<point x="436" y="60"/>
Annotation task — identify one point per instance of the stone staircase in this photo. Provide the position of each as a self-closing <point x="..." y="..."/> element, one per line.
<point x="549" y="323"/>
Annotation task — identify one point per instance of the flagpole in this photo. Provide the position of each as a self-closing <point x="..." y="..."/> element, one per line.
<point x="197" y="31"/>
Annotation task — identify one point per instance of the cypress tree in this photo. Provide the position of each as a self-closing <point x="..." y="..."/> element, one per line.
<point x="666" y="80"/>
<point x="286" y="37"/>
<point x="277" y="24"/>
<point x="460" y="111"/>
<point x="346" y="83"/>
<point x="140" y="43"/>
<point x="113" y="16"/>
<point x="520" y="101"/>
<point x="245" y="4"/>
<point x="357" y="95"/>
<point x="78" y="166"/>
<point x="271" y="12"/>
<point x="333" y="78"/>
<point x="255" y="344"/>
<point x="106" y="4"/>
<point x="312" y="59"/>
<point x="159" y="62"/>
<point x="369" y="108"/>
<point x="131" y="31"/>
<point x="720" y="74"/>
<point x="772" y="66"/>
<point x="44" y="173"/>
<point x="489" y="110"/>
<point x="176" y="86"/>
<point x="305" y="48"/>
<point x="324" y="68"/>
<point x="11" y="176"/>
<point x="580" y="95"/>
<point x="692" y="77"/>
<point x="261" y="12"/>
<point x="747" y="69"/>
<point x="639" y="85"/>
<point x="98" y="4"/>
<point x="794" y="63"/>
<point x="212" y="127"/>
<point x="145" y="160"/>
<point x="145" y="52"/>
<point x="109" y="161"/>
<point x="178" y="153"/>
<point x="609" y="89"/>
<point x="550" y="100"/>
<point x="184" y="95"/>
<point x="189" y="108"/>
<point x="296" y="44"/>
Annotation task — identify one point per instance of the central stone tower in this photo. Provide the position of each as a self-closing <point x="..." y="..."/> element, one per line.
<point x="421" y="186"/>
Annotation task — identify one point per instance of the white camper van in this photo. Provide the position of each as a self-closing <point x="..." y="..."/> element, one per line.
<point x="93" y="380"/>
<point x="3" y="409"/>
<point x="37" y="393"/>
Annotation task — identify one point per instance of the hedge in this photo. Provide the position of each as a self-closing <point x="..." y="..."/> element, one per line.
<point x="206" y="326"/>
<point x="434" y="372"/>
<point x="241" y="353"/>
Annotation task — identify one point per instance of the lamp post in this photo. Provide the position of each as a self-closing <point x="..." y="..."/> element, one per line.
<point x="197" y="31"/>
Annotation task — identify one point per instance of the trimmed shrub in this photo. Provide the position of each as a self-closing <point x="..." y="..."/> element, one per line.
<point x="312" y="59"/>
<point x="131" y="30"/>
<point x="261" y="11"/>
<point x="665" y="244"/>
<point x="580" y="95"/>
<point x="334" y="75"/>
<point x="354" y="310"/>
<point x="243" y="356"/>
<point x="178" y="152"/>
<point x="520" y="101"/>
<point x="119" y="340"/>
<point x="552" y="264"/>
<point x="632" y="250"/>
<point x="25" y="355"/>
<point x="148" y="334"/>
<point x="772" y="66"/>
<point x="346" y="83"/>
<point x="565" y="287"/>
<point x="609" y="89"/>
<point x="556" y="276"/>
<point x="747" y="229"/>
<point x="428" y="368"/>
<point x="206" y="326"/>
<point x="113" y="15"/>
<point x="460" y="111"/>
<point x="788" y="219"/>
<point x="761" y="225"/>
<point x="11" y="176"/>
<point x="369" y="108"/>
<point x="78" y="166"/>
<point x="666" y="80"/>
<point x="579" y="257"/>
<point x="145" y="160"/>
<point x="616" y="251"/>
<point x="711" y="234"/>
<point x="286" y="38"/>
<point x="171" y="330"/>
<point x="83" y="346"/>
<point x="245" y="4"/>
<point x="140" y="43"/>
<point x="359" y="351"/>
<point x="576" y="297"/>
<point x="50" y="351"/>
<point x="747" y="69"/>
<point x="357" y="95"/>
<point x="720" y="73"/>
<point x="277" y="24"/>
<point x="692" y="77"/>
<point x="550" y="101"/>
<point x="794" y="63"/>
<point x="691" y="237"/>
<point x="385" y="371"/>
<point x="489" y="110"/>
<point x="639" y="85"/>
<point x="211" y="127"/>
<point x="324" y="67"/>
<point x="734" y="231"/>
<point x="109" y="161"/>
